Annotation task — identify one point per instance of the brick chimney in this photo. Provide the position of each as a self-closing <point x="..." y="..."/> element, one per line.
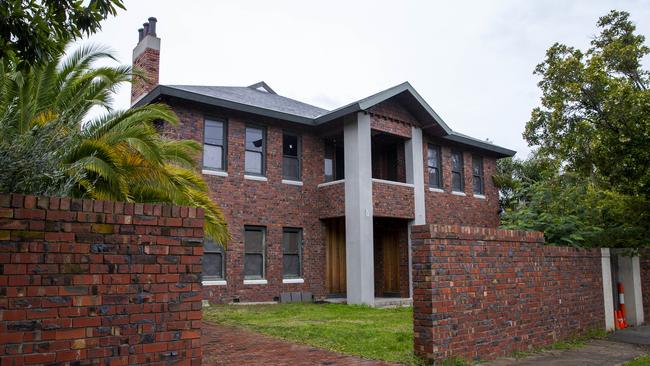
<point x="146" y="58"/>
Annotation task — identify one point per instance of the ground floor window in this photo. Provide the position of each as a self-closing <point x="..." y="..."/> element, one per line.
<point x="292" y="253"/>
<point x="254" y="252"/>
<point x="213" y="261"/>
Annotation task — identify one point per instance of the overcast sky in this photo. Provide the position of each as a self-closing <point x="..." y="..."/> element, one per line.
<point x="471" y="61"/>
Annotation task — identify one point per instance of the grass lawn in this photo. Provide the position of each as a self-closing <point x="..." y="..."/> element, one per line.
<point x="641" y="361"/>
<point x="381" y="334"/>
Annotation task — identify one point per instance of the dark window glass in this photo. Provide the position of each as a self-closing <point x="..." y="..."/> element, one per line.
<point x="457" y="171"/>
<point x="290" y="157"/>
<point x="477" y="174"/>
<point x="292" y="253"/>
<point x="254" y="157"/>
<point x="254" y="252"/>
<point x="214" y="145"/>
<point x="434" y="163"/>
<point x="213" y="261"/>
<point x="334" y="163"/>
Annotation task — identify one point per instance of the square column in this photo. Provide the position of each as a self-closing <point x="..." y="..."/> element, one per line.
<point x="358" y="210"/>
<point x="415" y="175"/>
<point x="606" y="265"/>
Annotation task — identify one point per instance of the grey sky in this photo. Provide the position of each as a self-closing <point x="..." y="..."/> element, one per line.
<point x="472" y="61"/>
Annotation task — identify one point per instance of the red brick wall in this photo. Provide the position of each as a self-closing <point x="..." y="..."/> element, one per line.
<point x="148" y="62"/>
<point x="99" y="282"/>
<point x="392" y="118"/>
<point x="392" y="200"/>
<point x="485" y="293"/>
<point x="272" y="204"/>
<point x="331" y="200"/>
<point x="645" y="283"/>
<point x="451" y="209"/>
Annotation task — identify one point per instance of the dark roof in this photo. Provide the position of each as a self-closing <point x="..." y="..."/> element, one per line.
<point x="260" y="99"/>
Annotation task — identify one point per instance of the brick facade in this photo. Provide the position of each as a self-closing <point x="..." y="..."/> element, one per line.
<point x="484" y="293"/>
<point x="95" y="283"/>
<point x="275" y="205"/>
<point x="270" y="203"/>
<point x="467" y="209"/>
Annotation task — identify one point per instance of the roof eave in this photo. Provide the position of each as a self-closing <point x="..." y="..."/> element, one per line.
<point x="500" y="152"/>
<point x="161" y="90"/>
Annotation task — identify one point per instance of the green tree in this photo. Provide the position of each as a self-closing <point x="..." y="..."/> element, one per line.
<point x="47" y="148"/>
<point x="588" y="180"/>
<point x="36" y="30"/>
<point x="595" y="108"/>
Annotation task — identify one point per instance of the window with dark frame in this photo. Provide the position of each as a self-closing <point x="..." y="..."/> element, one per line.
<point x="290" y="156"/>
<point x="457" y="183"/>
<point x="292" y="253"/>
<point x="255" y="150"/>
<point x="434" y="163"/>
<point x="213" y="261"/>
<point x="477" y="175"/>
<point x="214" y="147"/>
<point x="334" y="161"/>
<point x="254" y="252"/>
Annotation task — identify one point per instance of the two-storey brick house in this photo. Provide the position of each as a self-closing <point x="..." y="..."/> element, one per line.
<point x="321" y="201"/>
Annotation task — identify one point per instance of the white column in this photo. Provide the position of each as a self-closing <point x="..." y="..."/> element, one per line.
<point x="607" y="289"/>
<point x="415" y="175"/>
<point x="358" y="210"/>
<point x="630" y="275"/>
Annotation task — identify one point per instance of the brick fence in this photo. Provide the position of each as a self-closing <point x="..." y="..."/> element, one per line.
<point x="90" y="282"/>
<point x="484" y="293"/>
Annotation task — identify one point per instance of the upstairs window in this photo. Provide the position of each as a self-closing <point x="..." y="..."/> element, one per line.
<point x="477" y="175"/>
<point x="213" y="261"/>
<point x="254" y="252"/>
<point x="292" y="253"/>
<point x="214" y="152"/>
<point x="434" y="164"/>
<point x="255" y="149"/>
<point x="457" y="183"/>
<point x="334" y="166"/>
<point x="290" y="157"/>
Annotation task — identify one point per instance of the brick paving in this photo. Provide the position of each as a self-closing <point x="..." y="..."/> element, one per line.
<point x="223" y="345"/>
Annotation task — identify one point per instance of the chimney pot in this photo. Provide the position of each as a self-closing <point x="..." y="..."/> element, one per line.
<point x="146" y="28"/>
<point x="140" y="34"/>
<point x="152" y="26"/>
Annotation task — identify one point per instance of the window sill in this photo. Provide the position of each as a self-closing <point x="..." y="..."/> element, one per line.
<point x="215" y="283"/>
<point x="256" y="177"/>
<point x="432" y="189"/>
<point x="293" y="280"/>
<point x="384" y="181"/>
<point x="331" y="183"/>
<point x="219" y="173"/>
<point x="479" y="196"/>
<point x="458" y="193"/>
<point x="292" y="182"/>
<point x="255" y="282"/>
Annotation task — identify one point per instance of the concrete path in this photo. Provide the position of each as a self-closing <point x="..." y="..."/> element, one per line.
<point x="595" y="353"/>
<point x="638" y="335"/>
<point x="234" y="346"/>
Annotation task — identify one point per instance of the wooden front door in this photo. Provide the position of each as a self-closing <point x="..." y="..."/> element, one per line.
<point x="390" y="249"/>
<point x="335" y="279"/>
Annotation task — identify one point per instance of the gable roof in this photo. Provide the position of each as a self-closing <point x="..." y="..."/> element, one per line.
<point x="260" y="99"/>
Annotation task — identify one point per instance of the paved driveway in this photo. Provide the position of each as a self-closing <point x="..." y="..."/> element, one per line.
<point x="234" y="346"/>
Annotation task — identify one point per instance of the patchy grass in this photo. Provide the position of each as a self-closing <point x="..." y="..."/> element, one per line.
<point x="567" y="344"/>
<point x="641" y="361"/>
<point x="380" y="334"/>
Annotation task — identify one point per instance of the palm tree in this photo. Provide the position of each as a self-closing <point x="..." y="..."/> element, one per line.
<point x="48" y="148"/>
